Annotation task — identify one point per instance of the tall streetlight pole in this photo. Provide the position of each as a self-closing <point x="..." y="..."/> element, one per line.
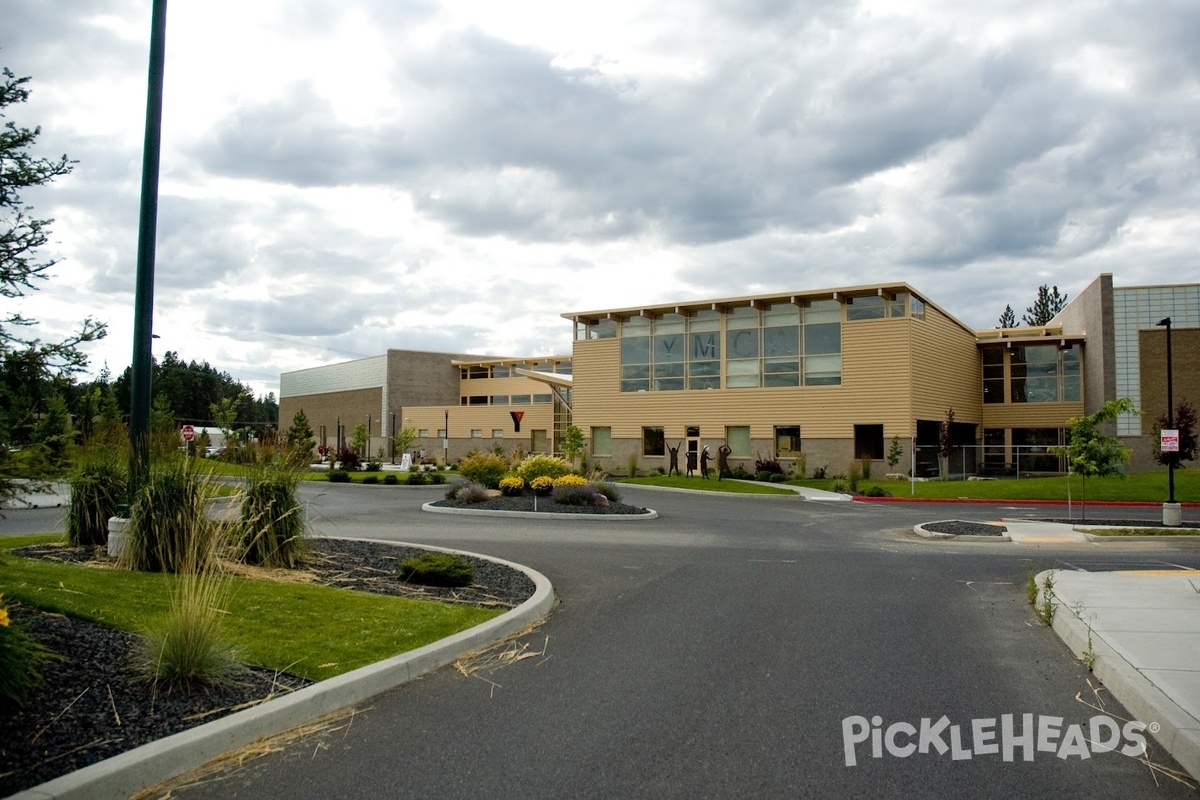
<point x="1172" y="513"/>
<point x="143" y="301"/>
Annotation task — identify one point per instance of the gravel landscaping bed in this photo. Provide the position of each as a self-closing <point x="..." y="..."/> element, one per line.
<point x="544" y="505"/>
<point x="93" y="704"/>
<point x="1122" y="523"/>
<point x="958" y="528"/>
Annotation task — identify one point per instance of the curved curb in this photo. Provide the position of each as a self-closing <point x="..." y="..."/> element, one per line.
<point x="485" y="512"/>
<point x="920" y="530"/>
<point x="130" y="772"/>
<point x="1144" y="701"/>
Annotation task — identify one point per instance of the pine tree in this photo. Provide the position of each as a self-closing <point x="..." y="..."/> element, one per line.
<point x="28" y="366"/>
<point x="1048" y="303"/>
<point x="1008" y="319"/>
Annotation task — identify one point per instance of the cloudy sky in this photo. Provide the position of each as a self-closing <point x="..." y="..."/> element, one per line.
<point x="343" y="176"/>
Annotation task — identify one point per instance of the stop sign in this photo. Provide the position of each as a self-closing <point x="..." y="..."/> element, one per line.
<point x="189" y="433"/>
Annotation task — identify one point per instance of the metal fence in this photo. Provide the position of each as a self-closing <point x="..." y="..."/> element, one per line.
<point x="993" y="461"/>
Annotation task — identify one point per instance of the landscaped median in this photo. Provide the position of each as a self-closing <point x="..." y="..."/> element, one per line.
<point x="355" y="643"/>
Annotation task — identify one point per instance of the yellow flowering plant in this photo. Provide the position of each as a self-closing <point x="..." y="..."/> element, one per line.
<point x="570" y="480"/>
<point x="542" y="484"/>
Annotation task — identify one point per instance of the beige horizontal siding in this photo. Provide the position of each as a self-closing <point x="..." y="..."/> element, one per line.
<point x="946" y="370"/>
<point x="1029" y="415"/>
<point x="875" y="390"/>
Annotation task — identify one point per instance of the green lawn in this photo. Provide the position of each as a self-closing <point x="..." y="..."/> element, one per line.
<point x="712" y="485"/>
<point x="314" y="631"/>
<point x="1144" y="486"/>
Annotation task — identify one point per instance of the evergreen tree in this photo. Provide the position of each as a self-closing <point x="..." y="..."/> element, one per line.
<point x="1008" y="319"/>
<point x="33" y="371"/>
<point x="1048" y="303"/>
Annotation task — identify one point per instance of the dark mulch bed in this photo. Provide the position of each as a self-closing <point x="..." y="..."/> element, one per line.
<point x="1122" y="523"/>
<point x="959" y="528"/>
<point x="93" y="704"/>
<point x="544" y="505"/>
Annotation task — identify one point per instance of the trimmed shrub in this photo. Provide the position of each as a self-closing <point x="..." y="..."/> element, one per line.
<point x="540" y="465"/>
<point x="338" y="476"/>
<point x="877" y="491"/>
<point x="511" y="486"/>
<point x="436" y="569"/>
<point x="390" y="480"/>
<point x="484" y="468"/>
<point x="776" y="477"/>
<point x="96" y="491"/>
<point x="576" y="495"/>
<point x="372" y="466"/>
<point x="437" y="478"/>
<point x="417" y="477"/>
<point x="739" y="472"/>
<point x="371" y="479"/>
<point x="764" y="476"/>
<point x="272" y="530"/>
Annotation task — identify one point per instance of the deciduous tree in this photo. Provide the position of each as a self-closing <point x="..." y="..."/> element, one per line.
<point x="1088" y="451"/>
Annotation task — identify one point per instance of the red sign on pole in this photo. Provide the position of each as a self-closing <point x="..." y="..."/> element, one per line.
<point x="1169" y="441"/>
<point x="188" y="433"/>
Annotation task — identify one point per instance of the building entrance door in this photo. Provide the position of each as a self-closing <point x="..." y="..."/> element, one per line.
<point x="693" y="450"/>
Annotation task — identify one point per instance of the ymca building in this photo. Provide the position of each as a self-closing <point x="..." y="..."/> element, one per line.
<point x="820" y="378"/>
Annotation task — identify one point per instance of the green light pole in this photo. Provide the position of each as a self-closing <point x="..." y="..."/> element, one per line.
<point x="143" y="301"/>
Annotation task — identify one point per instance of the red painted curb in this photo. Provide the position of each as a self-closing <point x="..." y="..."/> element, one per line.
<point x="1129" y="503"/>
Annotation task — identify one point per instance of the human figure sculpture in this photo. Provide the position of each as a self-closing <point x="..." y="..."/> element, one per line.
<point x="723" y="461"/>
<point x="704" y="457"/>
<point x="674" y="463"/>
<point x="691" y="463"/>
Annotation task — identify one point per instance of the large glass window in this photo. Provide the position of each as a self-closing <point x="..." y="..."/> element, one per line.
<point x="1044" y="374"/>
<point x="781" y="345"/>
<point x="704" y="350"/>
<point x="993" y="375"/>
<point x="742" y="326"/>
<point x="653" y="441"/>
<point x="822" y="343"/>
<point x="602" y="441"/>
<point x="787" y="440"/>
<point x="870" y="307"/>
<point x="738" y="439"/>
<point x="635" y="355"/>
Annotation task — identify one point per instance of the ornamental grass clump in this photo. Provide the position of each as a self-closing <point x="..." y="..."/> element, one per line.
<point x="541" y="465"/>
<point x="272" y="521"/>
<point x="577" y="495"/>
<point x="467" y="492"/>
<point x="436" y="569"/>
<point x="97" y="489"/>
<point x="186" y="647"/>
<point x="607" y="489"/>
<point x="169" y="528"/>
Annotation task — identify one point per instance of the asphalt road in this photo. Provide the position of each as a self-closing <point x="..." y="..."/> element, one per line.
<point x="719" y="652"/>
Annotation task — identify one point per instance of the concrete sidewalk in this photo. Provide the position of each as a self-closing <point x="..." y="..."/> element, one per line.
<point x="1141" y="632"/>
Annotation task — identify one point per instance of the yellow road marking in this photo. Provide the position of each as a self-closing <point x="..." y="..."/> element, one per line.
<point x="1175" y="572"/>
